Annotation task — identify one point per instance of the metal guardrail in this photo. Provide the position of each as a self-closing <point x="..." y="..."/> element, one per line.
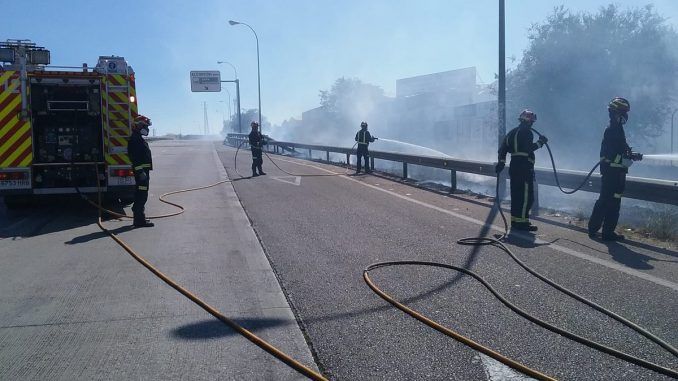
<point x="639" y="188"/>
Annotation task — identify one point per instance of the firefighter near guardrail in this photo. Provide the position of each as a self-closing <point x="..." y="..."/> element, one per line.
<point x="615" y="159"/>
<point x="519" y="143"/>
<point x="256" y="141"/>
<point x="363" y="138"/>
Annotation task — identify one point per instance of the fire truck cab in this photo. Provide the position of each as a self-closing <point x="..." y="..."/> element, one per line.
<point x="63" y="129"/>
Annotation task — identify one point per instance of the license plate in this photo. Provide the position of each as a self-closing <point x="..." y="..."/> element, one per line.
<point x="14" y="184"/>
<point x="127" y="180"/>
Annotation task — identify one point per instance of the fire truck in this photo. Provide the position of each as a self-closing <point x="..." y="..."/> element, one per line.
<point x="63" y="129"/>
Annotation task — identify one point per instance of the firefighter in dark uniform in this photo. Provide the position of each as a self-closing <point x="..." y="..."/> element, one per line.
<point x="142" y="163"/>
<point x="615" y="159"/>
<point x="256" y="142"/>
<point x="519" y="143"/>
<point x="364" y="139"/>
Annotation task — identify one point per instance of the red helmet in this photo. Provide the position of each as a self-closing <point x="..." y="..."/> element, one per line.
<point x="140" y="122"/>
<point x="527" y="116"/>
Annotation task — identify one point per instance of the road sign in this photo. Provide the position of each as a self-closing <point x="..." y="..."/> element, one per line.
<point x="206" y="81"/>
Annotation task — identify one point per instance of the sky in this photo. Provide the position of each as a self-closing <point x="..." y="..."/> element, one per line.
<point x="305" y="45"/>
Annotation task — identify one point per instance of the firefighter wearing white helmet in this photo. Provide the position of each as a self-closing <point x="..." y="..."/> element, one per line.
<point x="519" y="142"/>
<point x="256" y="143"/>
<point x="142" y="163"/>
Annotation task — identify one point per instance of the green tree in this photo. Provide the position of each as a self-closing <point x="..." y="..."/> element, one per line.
<point x="247" y="116"/>
<point x="350" y="99"/>
<point x="577" y="62"/>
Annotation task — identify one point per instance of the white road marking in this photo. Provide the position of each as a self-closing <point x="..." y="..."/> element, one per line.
<point x="562" y="249"/>
<point x="496" y="371"/>
<point x="294" y="180"/>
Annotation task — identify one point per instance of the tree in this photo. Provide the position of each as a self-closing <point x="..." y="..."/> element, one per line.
<point x="576" y="63"/>
<point x="350" y="100"/>
<point x="247" y="116"/>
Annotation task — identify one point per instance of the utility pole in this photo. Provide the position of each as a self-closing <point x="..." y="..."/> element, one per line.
<point x="206" y="123"/>
<point x="501" y="96"/>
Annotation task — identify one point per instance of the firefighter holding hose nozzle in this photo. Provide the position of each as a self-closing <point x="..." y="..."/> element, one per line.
<point x="615" y="159"/>
<point x="519" y="143"/>
<point x="142" y="163"/>
<point x="364" y="139"/>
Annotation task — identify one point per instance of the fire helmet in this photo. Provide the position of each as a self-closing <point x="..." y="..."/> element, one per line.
<point x="140" y="122"/>
<point x="619" y="104"/>
<point x="363" y="125"/>
<point x="254" y="124"/>
<point x="527" y="116"/>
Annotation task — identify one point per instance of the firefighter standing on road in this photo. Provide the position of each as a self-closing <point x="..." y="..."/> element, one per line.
<point x="142" y="162"/>
<point x="364" y="139"/>
<point x="256" y="142"/>
<point x="519" y="143"/>
<point x="615" y="159"/>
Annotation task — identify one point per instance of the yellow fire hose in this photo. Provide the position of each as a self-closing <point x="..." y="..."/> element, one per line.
<point x="261" y="343"/>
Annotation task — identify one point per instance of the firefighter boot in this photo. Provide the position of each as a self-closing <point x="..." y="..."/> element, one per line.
<point x="261" y="171"/>
<point x="142" y="222"/>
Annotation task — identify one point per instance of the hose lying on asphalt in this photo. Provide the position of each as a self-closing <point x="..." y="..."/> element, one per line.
<point x="348" y="167"/>
<point x="555" y="172"/>
<point x="497" y="242"/>
<point x="277" y="353"/>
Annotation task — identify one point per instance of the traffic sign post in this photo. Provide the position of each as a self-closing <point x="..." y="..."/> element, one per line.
<point x="205" y="81"/>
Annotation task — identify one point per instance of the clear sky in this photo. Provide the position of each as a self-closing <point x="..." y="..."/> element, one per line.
<point x="305" y="45"/>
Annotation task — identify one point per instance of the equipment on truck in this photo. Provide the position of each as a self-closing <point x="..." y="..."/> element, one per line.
<point x="58" y="124"/>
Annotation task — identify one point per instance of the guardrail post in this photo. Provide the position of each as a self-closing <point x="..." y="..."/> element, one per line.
<point x="372" y="163"/>
<point x="348" y="160"/>
<point x="405" y="171"/>
<point x="535" y="205"/>
<point x="327" y="153"/>
<point x="309" y="154"/>
<point x="453" y="181"/>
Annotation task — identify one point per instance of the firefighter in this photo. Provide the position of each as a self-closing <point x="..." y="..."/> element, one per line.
<point x="142" y="162"/>
<point x="519" y="143"/>
<point x="615" y="159"/>
<point x="364" y="139"/>
<point x="256" y="142"/>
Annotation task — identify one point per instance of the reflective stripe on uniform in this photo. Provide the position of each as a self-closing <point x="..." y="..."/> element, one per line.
<point x="618" y="195"/>
<point x="524" y="213"/>
<point x="142" y="166"/>
<point x="519" y="219"/>
<point x="143" y="188"/>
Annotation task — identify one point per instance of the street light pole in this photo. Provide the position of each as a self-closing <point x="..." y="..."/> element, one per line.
<point x="258" y="67"/>
<point x="672" y="115"/>
<point x="235" y="72"/>
<point x="501" y="83"/>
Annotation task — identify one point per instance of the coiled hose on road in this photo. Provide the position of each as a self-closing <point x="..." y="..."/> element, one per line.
<point x="261" y="343"/>
<point x="235" y="160"/>
<point x="498" y="242"/>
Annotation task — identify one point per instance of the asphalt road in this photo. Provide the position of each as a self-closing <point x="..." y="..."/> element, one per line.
<point x="319" y="233"/>
<point x="75" y="306"/>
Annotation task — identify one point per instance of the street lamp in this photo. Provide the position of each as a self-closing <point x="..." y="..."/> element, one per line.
<point x="258" y="71"/>
<point x="672" y="115"/>
<point x="235" y="72"/>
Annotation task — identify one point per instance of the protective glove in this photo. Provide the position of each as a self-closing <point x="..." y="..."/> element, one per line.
<point x="499" y="167"/>
<point x="542" y="140"/>
<point x="142" y="176"/>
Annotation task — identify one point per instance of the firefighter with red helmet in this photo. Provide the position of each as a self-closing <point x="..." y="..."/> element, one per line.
<point x="615" y="159"/>
<point x="142" y="163"/>
<point x="519" y="142"/>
